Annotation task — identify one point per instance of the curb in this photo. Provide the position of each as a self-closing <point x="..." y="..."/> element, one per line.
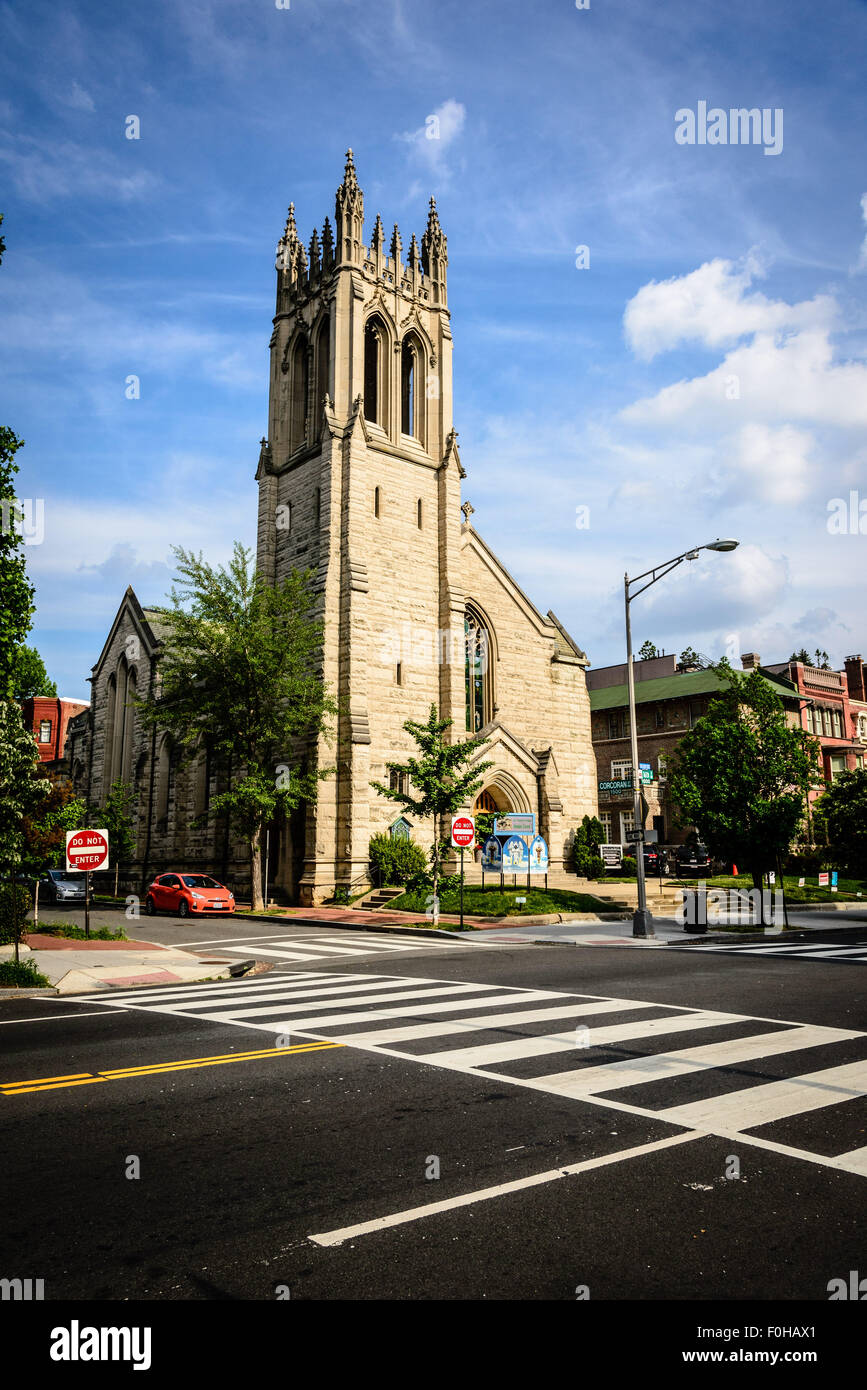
<point x="37" y="993"/>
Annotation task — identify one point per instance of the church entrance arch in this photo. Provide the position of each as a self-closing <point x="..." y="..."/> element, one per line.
<point x="501" y="796"/>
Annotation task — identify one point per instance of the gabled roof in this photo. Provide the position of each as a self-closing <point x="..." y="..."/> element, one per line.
<point x="672" y="687"/>
<point x="146" y="621"/>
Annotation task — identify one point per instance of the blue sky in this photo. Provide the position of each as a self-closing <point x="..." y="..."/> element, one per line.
<point x="705" y="375"/>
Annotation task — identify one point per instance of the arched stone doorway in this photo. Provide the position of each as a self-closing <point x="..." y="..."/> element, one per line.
<point x="501" y="796"/>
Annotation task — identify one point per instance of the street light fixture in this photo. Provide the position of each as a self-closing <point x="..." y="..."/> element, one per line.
<point x="642" y="921"/>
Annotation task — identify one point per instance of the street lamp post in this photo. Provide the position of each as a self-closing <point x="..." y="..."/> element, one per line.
<point x="642" y="921"/>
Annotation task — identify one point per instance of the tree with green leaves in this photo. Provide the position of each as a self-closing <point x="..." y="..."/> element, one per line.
<point x="803" y="655"/>
<point x="442" y="780"/>
<point x="22" y="788"/>
<point x="16" y="592"/>
<point x="115" y="816"/>
<point x="239" y="671"/>
<point x="29" y="676"/>
<point x="742" y="774"/>
<point x="648" y="652"/>
<point x="843" y="810"/>
<point x="45" y="827"/>
<point x="689" y="657"/>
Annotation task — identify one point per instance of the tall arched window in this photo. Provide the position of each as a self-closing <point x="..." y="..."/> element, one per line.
<point x="479" y="689"/>
<point x="372" y="372"/>
<point x="418" y="513"/>
<point x="110" y="710"/>
<point x="298" y="395"/>
<point x="164" y="781"/>
<point x="125" y="769"/>
<point x="323" y="372"/>
<point x="409" y="358"/>
<point x="376" y="500"/>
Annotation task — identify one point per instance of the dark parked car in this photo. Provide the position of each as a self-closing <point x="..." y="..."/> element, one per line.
<point x="651" y="859"/>
<point x="693" y="859"/>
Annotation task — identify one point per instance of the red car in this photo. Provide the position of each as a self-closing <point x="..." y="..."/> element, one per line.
<point x="185" y="894"/>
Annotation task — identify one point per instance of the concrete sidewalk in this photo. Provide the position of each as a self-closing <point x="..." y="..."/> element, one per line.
<point x="75" y="967"/>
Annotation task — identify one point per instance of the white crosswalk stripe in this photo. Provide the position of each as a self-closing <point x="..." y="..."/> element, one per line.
<point x="819" y="950"/>
<point x="384" y="1014"/>
<point x="351" y="943"/>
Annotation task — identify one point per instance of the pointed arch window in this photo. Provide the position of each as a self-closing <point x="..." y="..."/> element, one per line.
<point x="478" y="676"/>
<point x="372" y="372"/>
<point x="323" y="372"/>
<point x="299" y="388"/>
<point x="376" y="501"/>
<point x="408" y="382"/>
<point x="164" y="783"/>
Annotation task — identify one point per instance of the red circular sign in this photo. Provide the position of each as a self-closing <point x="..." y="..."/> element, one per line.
<point x="463" y="831"/>
<point x="87" y="849"/>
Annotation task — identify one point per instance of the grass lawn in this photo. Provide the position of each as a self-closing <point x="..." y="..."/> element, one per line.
<point x="75" y="933"/>
<point x="849" y="888"/>
<point x="491" y="902"/>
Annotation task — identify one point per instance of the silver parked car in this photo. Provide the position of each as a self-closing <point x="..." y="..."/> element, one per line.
<point x="58" y="886"/>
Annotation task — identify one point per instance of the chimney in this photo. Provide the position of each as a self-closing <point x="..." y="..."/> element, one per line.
<point x="750" y="660"/>
<point x="855" y="677"/>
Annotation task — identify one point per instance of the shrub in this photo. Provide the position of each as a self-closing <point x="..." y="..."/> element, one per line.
<point x="21" y="974"/>
<point x="395" y="861"/>
<point x="15" y="903"/>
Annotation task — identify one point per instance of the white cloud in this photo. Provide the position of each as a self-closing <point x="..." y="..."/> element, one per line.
<point x="78" y="98"/>
<point x="776" y="461"/>
<point x="711" y="306"/>
<point x="45" y="171"/>
<point x="442" y="127"/>
<point x="862" y="259"/>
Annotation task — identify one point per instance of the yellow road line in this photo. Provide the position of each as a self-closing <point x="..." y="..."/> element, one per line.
<point x="51" y="1085"/>
<point x="70" y="1076"/>
<point x="216" y="1061"/>
<point x="56" y="1083"/>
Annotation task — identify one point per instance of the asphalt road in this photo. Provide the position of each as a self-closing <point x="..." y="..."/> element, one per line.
<point x="248" y="1168"/>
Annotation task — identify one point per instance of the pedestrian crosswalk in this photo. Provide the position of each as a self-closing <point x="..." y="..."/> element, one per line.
<point x="290" y="950"/>
<point x="817" y="950"/>
<point x="759" y="1080"/>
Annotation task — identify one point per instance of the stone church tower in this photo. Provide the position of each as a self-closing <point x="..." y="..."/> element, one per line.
<point x="360" y="479"/>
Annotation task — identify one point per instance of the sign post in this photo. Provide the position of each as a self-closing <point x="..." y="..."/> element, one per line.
<point x="87" y="851"/>
<point x="463" y="834"/>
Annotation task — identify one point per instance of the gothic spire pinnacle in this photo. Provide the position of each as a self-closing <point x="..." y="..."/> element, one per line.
<point x="315" y="254"/>
<point x="377" y="239"/>
<point x="327" y="244"/>
<point x="289" y="241"/>
<point x="349" y="214"/>
<point x="396" y="246"/>
<point x="414" y="254"/>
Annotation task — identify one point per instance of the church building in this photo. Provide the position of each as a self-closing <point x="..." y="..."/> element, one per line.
<point x="359" y="479"/>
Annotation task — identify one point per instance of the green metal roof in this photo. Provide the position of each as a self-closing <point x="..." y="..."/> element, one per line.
<point x="670" y="688"/>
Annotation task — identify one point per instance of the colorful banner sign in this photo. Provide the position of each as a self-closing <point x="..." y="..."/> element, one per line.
<point x="538" y="856"/>
<point x="515" y="857"/>
<point x="492" y="855"/>
<point x="516" y="823"/>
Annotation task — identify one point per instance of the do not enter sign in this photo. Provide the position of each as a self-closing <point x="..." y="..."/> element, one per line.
<point x="87" y="850"/>
<point x="463" y="831"/>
